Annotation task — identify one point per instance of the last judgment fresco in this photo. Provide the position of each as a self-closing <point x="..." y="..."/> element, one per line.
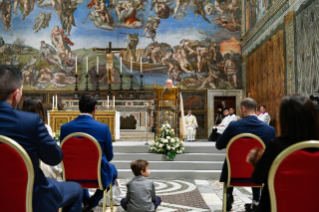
<point x="193" y="42"/>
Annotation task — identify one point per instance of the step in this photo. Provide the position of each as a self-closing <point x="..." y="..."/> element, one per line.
<point x="140" y="147"/>
<point x="175" y="165"/>
<point x="179" y="157"/>
<point x="136" y="138"/>
<point x="136" y="133"/>
<point x="175" y="174"/>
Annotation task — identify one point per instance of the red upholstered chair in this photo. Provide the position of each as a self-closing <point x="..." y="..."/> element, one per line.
<point x="236" y="154"/>
<point x="16" y="178"/>
<point x="293" y="179"/>
<point x="81" y="163"/>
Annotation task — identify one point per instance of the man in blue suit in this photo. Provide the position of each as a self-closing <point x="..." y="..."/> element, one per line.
<point x="29" y="131"/>
<point x="249" y="124"/>
<point x="85" y="123"/>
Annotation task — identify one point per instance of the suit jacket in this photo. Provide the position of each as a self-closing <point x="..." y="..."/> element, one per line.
<point x="250" y="124"/>
<point x="101" y="132"/>
<point x="260" y="174"/>
<point x="30" y="132"/>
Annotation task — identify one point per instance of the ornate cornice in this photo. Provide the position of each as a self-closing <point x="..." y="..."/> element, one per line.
<point x="271" y="12"/>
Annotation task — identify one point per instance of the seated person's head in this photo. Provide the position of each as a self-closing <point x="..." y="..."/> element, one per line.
<point x="34" y="105"/>
<point x="226" y="112"/>
<point x="189" y="112"/>
<point x="298" y="118"/>
<point x="231" y="110"/>
<point x="169" y="83"/>
<point x="263" y="109"/>
<point x="140" y="167"/>
<point x="10" y="85"/>
<point x="248" y="107"/>
<point x="88" y="104"/>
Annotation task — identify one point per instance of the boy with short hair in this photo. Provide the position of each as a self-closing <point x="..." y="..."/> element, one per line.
<point x="140" y="195"/>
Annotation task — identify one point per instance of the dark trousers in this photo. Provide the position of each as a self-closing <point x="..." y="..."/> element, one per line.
<point x="156" y="203"/>
<point x="214" y="135"/>
<point x="255" y="191"/>
<point x="93" y="200"/>
<point x="72" y="195"/>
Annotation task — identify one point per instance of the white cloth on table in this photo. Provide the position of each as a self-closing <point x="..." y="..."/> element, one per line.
<point x="191" y="125"/>
<point x="264" y="117"/>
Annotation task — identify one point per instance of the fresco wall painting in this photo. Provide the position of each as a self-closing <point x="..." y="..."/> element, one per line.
<point x="266" y="75"/>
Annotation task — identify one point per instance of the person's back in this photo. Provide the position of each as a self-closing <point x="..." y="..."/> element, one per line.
<point x="85" y="123"/>
<point x="140" y="196"/>
<point x="29" y="131"/>
<point x="140" y="190"/>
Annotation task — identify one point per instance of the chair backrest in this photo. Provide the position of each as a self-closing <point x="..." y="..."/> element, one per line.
<point x="293" y="178"/>
<point x="16" y="178"/>
<point x="236" y="153"/>
<point x="82" y="156"/>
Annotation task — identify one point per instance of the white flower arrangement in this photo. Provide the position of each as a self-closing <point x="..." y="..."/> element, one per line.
<point x="167" y="143"/>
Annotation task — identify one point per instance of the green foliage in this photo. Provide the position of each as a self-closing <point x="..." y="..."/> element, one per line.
<point x="167" y="143"/>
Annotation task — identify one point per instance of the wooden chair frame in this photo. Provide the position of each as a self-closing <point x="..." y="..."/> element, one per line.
<point x="227" y="184"/>
<point x="28" y="163"/>
<point x="105" y="192"/>
<point x="282" y="156"/>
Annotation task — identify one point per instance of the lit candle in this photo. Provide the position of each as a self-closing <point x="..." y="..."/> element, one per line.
<point x="108" y="102"/>
<point x="121" y="65"/>
<point x="76" y="65"/>
<point x="131" y="64"/>
<point x="87" y="65"/>
<point x="141" y="65"/>
<point x="53" y="101"/>
<point x="113" y="102"/>
<point x="56" y="101"/>
<point x="97" y="65"/>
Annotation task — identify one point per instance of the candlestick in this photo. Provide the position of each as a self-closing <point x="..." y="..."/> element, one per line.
<point x="76" y="93"/>
<point x="56" y="101"/>
<point x="53" y="105"/>
<point x="131" y="65"/>
<point x="87" y="65"/>
<point x="121" y="65"/>
<point x="113" y="102"/>
<point x="76" y="65"/>
<point x="141" y="65"/>
<point x="97" y="65"/>
<point x="108" y="102"/>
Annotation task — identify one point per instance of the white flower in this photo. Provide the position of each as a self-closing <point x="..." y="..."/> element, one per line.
<point x="168" y="137"/>
<point x="172" y="130"/>
<point x="163" y="125"/>
<point x="182" y="142"/>
<point x="182" y="148"/>
<point x="179" y="151"/>
<point x="168" y="147"/>
<point x="173" y="148"/>
<point x="165" y="141"/>
<point x="177" y="145"/>
<point x="161" y="145"/>
<point x="168" y="125"/>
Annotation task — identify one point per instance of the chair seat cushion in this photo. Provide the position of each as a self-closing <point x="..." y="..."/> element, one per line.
<point x="88" y="184"/>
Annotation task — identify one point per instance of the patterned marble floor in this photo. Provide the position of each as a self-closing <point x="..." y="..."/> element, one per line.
<point x="189" y="196"/>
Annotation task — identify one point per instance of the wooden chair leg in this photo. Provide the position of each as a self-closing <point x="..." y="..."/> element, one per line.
<point x="111" y="198"/>
<point x="225" y="198"/>
<point x="104" y="199"/>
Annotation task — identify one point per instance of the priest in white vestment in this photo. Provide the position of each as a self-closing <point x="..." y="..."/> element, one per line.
<point x="219" y="129"/>
<point x="191" y="125"/>
<point x="232" y="114"/>
<point x="264" y="116"/>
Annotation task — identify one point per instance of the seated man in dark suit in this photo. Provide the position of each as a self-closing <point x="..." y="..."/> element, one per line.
<point x="29" y="131"/>
<point x="85" y="123"/>
<point x="248" y="124"/>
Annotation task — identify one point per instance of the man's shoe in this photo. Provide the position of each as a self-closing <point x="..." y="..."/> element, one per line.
<point x="87" y="208"/>
<point x="230" y="200"/>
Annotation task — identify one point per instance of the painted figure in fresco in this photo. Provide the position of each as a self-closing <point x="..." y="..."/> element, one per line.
<point x="209" y="8"/>
<point x="15" y="61"/>
<point x="67" y="16"/>
<point x="61" y="42"/>
<point x="230" y="69"/>
<point x="131" y="47"/>
<point x="162" y="10"/>
<point x="59" y="80"/>
<point x="202" y="53"/>
<point x="179" y="3"/>
<point x="167" y="57"/>
<point x="152" y="23"/>
<point x="192" y="45"/>
<point x="49" y="54"/>
<point x="2" y="42"/>
<point x="5" y="8"/>
<point x="27" y="6"/>
<point x="217" y="6"/>
<point x="231" y="25"/>
<point x="199" y="10"/>
<point x="126" y="12"/>
<point x="28" y="77"/>
<point x="181" y="57"/>
<point x="101" y="10"/>
<point x="42" y="21"/>
<point x="58" y="9"/>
